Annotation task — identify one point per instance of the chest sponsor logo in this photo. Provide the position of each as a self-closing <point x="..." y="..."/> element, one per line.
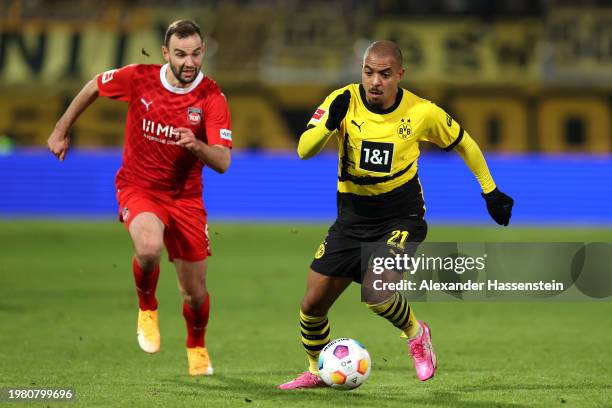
<point x="194" y="115"/>
<point x="404" y="129"/>
<point x="159" y="132"/>
<point x="316" y="117"/>
<point x="376" y="156"/>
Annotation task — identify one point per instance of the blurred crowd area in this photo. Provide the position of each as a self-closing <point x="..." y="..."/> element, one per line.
<point x="520" y="75"/>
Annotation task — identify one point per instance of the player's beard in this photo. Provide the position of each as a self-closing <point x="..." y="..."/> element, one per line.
<point x="376" y="103"/>
<point x="178" y="74"/>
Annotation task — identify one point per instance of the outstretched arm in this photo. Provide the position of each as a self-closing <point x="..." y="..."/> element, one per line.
<point x="471" y="154"/>
<point x="59" y="140"/>
<point x="499" y="204"/>
<point x="447" y="134"/>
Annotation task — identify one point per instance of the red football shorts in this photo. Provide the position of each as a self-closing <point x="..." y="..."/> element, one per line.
<point x="186" y="231"/>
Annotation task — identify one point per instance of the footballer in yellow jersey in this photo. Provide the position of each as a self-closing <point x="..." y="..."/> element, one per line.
<point x="378" y="126"/>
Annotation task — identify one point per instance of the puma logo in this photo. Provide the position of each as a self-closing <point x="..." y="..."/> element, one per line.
<point x="145" y="103"/>
<point x="358" y="126"/>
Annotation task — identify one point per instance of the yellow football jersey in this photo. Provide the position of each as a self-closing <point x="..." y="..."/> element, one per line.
<point x="378" y="149"/>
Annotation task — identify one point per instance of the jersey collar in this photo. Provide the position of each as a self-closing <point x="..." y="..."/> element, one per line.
<point x="398" y="100"/>
<point x="177" y="90"/>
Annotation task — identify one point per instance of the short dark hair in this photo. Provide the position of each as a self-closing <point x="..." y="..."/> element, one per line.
<point x="384" y="48"/>
<point x="182" y="29"/>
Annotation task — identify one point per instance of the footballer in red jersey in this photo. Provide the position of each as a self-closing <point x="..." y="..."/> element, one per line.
<point x="178" y="121"/>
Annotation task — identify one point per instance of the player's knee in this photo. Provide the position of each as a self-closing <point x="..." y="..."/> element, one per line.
<point x="313" y="308"/>
<point x="194" y="300"/>
<point x="148" y="254"/>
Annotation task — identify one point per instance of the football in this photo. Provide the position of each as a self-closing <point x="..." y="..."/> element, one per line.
<point x="344" y="364"/>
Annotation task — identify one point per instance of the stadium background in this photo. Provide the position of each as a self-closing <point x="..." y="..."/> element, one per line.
<point x="530" y="80"/>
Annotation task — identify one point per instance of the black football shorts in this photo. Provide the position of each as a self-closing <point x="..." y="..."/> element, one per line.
<point x="342" y="255"/>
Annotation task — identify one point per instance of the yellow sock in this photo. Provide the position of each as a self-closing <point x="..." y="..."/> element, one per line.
<point x="315" y="336"/>
<point x="399" y="313"/>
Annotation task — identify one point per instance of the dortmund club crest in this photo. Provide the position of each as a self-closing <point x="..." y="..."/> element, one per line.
<point x="321" y="251"/>
<point x="404" y="130"/>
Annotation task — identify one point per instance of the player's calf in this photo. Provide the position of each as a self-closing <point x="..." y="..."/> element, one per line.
<point x="397" y="311"/>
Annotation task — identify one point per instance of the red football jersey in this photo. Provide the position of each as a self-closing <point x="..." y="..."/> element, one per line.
<point x="151" y="158"/>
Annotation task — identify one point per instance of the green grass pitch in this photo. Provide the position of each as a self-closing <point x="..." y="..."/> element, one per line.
<point x="68" y="317"/>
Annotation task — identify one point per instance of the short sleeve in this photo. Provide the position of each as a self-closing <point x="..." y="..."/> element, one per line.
<point x="117" y="83"/>
<point x="217" y="121"/>
<point x="443" y="130"/>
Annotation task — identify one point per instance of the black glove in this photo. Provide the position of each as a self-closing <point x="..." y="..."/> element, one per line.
<point x="337" y="110"/>
<point x="499" y="206"/>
